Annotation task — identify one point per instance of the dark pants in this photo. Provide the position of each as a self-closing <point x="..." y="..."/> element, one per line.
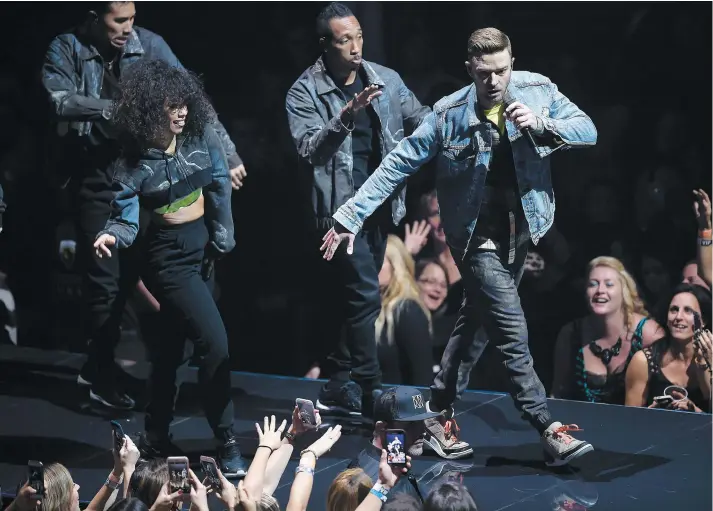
<point x="107" y="282"/>
<point x="188" y="311"/>
<point x="358" y="275"/>
<point x="491" y="311"/>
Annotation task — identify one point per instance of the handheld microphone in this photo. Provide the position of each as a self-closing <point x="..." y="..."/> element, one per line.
<point x="509" y="99"/>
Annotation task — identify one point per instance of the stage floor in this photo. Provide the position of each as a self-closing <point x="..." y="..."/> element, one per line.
<point x="643" y="459"/>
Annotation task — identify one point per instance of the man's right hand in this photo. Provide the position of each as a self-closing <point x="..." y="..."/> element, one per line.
<point x="361" y="101"/>
<point x="102" y="244"/>
<point x="332" y="240"/>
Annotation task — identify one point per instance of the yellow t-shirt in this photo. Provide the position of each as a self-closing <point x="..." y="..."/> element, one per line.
<point x="495" y="115"/>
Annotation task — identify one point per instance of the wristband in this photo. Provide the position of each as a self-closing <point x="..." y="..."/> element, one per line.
<point x="705" y="234"/>
<point x="305" y="469"/>
<point x="705" y="242"/>
<point x="112" y="483"/>
<point x="266" y="447"/>
<point x="290" y="437"/>
<point x="311" y="452"/>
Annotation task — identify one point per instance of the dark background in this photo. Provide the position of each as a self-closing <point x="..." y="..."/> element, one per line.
<point x="641" y="70"/>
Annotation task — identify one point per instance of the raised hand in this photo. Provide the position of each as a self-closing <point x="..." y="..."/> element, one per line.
<point x="298" y="427"/>
<point x="387" y="477"/>
<point x="703" y="349"/>
<point x="417" y="236"/>
<point x="326" y="442"/>
<point x="199" y="494"/>
<point x="102" y="244"/>
<point x="269" y="436"/>
<point x="702" y="208"/>
<point x="362" y="100"/>
<point x="165" y="500"/>
<point x="227" y="493"/>
<point x="332" y="240"/>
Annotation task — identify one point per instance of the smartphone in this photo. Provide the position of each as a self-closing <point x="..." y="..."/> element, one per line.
<point x="36" y="477"/>
<point x="178" y="477"/>
<point x="306" y="411"/>
<point x="118" y="435"/>
<point x="663" y="400"/>
<point x="396" y="447"/>
<point x="210" y="469"/>
<point x="697" y="325"/>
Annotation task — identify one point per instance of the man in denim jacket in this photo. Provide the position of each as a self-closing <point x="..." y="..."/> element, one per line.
<point x="495" y="194"/>
<point x="81" y="75"/>
<point x="345" y="115"/>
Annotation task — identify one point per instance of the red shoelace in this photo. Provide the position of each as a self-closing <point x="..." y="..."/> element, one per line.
<point x="451" y="429"/>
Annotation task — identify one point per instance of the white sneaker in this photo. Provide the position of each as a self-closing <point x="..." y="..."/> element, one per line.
<point x="560" y="447"/>
<point x="441" y="436"/>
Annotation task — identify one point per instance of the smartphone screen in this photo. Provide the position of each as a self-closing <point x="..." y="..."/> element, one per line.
<point x="697" y="322"/>
<point x="395" y="447"/>
<point x="210" y="469"/>
<point x="178" y="474"/>
<point x="306" y="410"/>
<point x="36" y="477"/>
<point x="118" y="435"/>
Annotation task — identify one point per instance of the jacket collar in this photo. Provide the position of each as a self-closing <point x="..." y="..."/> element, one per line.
<point x="325" y="83"/>
<point x="132" y="47"/>
<point x="472" y="99"/>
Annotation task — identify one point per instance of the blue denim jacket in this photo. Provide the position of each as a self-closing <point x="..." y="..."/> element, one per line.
<point x="72" y="75"/>
<point x="159" y="179"/>
<point x="461" y="143"/>
<point x="314" y="104"/>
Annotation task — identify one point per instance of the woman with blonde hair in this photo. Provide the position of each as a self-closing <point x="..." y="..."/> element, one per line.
<point x="403" y="328"/>
<point x="593" y="352"/>
<point x="348" y="489"/>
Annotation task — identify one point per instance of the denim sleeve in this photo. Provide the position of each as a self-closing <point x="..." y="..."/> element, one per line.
<point x="568" y="123"/>
<point x="406" y="158"/>
<point x="219" y="211"/>
<point x="412" y="111"/>
<point x="124" y="221"/>
<point x="164" y="51"/>
<point x="315" y="141"/>
<point x="58" y="79"/>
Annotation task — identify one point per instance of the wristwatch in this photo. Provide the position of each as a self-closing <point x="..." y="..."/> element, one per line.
<point x="113" y="484"/>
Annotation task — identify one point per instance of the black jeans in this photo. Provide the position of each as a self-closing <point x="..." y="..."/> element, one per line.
<point x="107" y="282"/>
<point x="491" y="312"/>
<point x="188" y="312"/>
<point x="356" y="357"/>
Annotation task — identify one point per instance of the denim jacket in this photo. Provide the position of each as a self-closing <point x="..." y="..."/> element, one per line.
<point x="159" y="179"/>
<point x="462" y="145"/>
<point x="72" y="75"/>
<point x="314" y="104"/>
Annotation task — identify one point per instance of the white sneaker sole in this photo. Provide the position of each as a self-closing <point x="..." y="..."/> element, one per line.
<point x="336" y="410"/>
<point x="81" y="381"/>
<point x="435" y="446"/>
<point x="558" y="462"/>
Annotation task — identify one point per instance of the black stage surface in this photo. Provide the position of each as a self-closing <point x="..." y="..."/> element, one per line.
<point x="643" y="459"/>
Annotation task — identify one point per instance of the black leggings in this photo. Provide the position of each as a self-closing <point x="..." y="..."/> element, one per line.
<point x="188" y="312"/>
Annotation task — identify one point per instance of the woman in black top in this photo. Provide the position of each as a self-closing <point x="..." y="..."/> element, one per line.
<point x="403" y="328"/>
<point x="682" y="358"/>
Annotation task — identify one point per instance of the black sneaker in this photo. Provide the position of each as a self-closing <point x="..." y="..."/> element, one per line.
<point x="159" y="449"/>
<point x="111" y="398"/>
<point x="343" y="400"/>
<point x="230" y="460"/>
<point x="88" y="374"/>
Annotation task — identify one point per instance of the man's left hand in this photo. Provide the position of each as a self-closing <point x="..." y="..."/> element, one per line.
<point x="521" y="116"/>
<point x="237" y="175"/>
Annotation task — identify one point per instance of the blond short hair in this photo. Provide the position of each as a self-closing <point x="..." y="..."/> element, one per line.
<point x="485" y="41"/>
